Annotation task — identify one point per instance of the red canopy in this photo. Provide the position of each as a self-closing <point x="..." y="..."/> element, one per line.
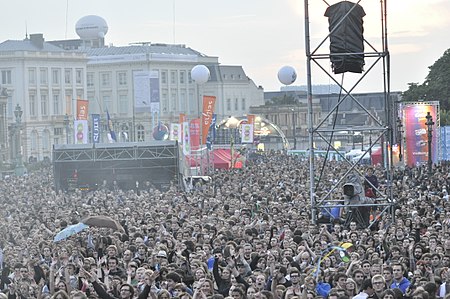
<point x="221" y="159"/>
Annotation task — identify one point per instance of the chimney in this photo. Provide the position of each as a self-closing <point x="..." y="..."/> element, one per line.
<point x="37" y="40"/>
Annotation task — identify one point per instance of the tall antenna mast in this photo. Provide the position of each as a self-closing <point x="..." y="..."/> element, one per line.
<point x="67" y="16"/>
<point x="173" y="21"/>
<point x="26" y="30"/>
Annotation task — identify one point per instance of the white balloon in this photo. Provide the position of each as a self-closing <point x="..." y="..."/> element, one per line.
<point x="200" y="74"/>
<point x="287" y="75"/>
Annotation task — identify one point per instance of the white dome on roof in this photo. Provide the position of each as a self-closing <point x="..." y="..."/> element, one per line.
<point x="91" y="27"/>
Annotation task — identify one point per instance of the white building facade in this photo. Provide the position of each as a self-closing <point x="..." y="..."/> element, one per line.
<point x="46" y="81"/>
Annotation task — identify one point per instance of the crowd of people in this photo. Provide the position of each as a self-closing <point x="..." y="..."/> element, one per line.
<point x="246" y="234"/>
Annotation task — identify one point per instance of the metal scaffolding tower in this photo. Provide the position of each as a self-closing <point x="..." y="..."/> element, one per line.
<point x="381" y="127"/>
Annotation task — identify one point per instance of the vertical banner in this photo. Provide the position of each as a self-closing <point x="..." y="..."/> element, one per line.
<point x="186" y="139"/>
<point x="81" y="131"/>
<point x="111" y="135"/>
<point x="194" y="131"/>
<point x="154" y="91"/>
<point x="251" y="119"/>
<point x="175" y="132"/>
<point x="141" y="86"/>
<point x="95" y="128"/>
<point x="207" y="112"/>
<point x="445" y="142"/>
<point x="82" y="109"/>
<point x="212" y="127"/>
<point x="182" y="118"/>
<point x="416" y="133"/>
<point x="246" y="133"/>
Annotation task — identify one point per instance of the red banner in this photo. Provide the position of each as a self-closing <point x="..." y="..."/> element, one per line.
<point x="182" y="118"/>
<point x="208" y="110"/>
<point x="194" y="131"/>
<point x="82" y="109"/>
<point x="251" y="119"/>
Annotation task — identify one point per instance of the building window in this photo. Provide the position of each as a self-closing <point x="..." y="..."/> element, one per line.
<point x="105" y="79"/>
<point x="68" y="102"/>
<point x="90" y="79"/>
<point x="46" y="140"/>
<point x="183" y="106"/>
<point x="58" y="131"/>
<point x="6" y="77"/>
<point x="79" y="76"/>
<point x="182" y="77"/>
<point x="34" y="137"/>
<point x="32" y="103"/>
<point x="123" y="104"/>
<point x="228" y="104"/>
<point x="173" y="77"/>
<point x="43" y="76"/>
<point x="32" y="76"/>
<point x="164" y="102"/>
<point x="243" y="104"/>
<point x="140" y="133"/>
<point x="55" y="76"/>
<point x="122" y="78"/>
<point x="236" y="104"/>
<point x="44" y="105"/>
<point x="163" y="77"/>
<point x="173" y="99"/>
<point x="68" y="76"/>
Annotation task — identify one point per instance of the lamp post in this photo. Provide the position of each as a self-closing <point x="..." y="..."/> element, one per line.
<point x="20" y="169"/>
<point x="293" y="128"/>
<point x="287" y="75"/>
<point x="200" y="74"/>
<point x="429" y="123"/>
<point x="399" y="139"/>
<point x="66" y="125"/>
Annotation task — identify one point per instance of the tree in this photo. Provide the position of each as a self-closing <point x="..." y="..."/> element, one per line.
<point x="282" y="100"/>
<point x="436" y="87"/>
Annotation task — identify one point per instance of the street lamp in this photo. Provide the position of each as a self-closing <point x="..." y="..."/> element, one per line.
<point x="287" y="75"/>
<point x="429" y="123"/>
<point x="399" y="138"/>
<point x="66" y="124"/>
<point x="293" y="128"/>
<point x="200" y="74"/>
<point x="20" y="169"/>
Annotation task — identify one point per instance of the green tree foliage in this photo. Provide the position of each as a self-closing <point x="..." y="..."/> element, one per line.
<point x="282" y="100"/>
<point x="436" y="87"/>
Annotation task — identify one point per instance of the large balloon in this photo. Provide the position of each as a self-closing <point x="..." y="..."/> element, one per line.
<point x="200" y="74"/>
<point x="287" y="75"/>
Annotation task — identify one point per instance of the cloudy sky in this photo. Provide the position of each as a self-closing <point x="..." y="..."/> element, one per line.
<point x="260" y="35"/>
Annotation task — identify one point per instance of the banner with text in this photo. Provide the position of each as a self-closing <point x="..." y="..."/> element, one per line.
<point x="208" y="110"/>
<point x="82" y="109"/>
<point x="146" y="91"/>
<point x="194" y="131"/>
<point x="96" y="128"/>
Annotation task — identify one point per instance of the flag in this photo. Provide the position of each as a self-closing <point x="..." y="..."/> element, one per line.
<point x="82" y="109"/>
<point x="206" y="119"/>
<point x="112" y="135"/>
<point x="95" y="128"/>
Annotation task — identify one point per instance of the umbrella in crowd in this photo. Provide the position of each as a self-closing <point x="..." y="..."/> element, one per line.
<point x="69" y="231"/>
<point x="103" y="221"/>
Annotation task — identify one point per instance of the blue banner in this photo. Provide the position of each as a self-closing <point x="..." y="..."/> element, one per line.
<point x="212" y="127"/>
<point x="95" y="128"/>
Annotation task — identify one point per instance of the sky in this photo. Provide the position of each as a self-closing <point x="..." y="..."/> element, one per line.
<point x="260" y="35"/>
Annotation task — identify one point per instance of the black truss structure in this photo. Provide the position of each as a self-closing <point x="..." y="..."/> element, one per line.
<point x="122" y="165"/>
<point x="381" y="127"/>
